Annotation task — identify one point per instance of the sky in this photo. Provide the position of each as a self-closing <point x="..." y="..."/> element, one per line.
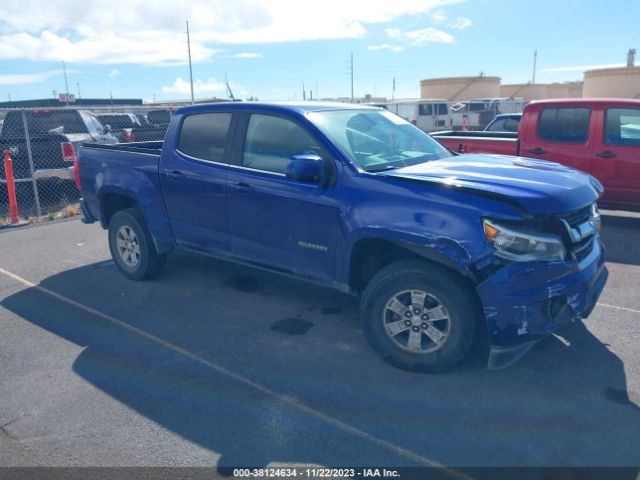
<point x="269" y="49"/>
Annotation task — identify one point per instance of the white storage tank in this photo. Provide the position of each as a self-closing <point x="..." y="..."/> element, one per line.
<point x="528" y="91"/>
<point x="621" y="82"/>
<point x="458" y="89"/>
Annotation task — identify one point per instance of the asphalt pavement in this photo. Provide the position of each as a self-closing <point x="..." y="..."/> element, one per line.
<point x="215" y="364"/>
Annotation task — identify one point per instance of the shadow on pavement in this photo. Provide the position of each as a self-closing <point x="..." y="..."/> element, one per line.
<point x="620" y="235"/>
<point x="562" y="405"/>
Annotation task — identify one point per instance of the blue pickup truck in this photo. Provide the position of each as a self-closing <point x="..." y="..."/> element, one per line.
<point x="438" y="247"/>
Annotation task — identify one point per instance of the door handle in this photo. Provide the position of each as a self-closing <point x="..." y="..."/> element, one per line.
<point x="243" y="187"/>
<point x="606" y="154"/>
<point x="537" y="151"/>
<point x="175" y="175"/>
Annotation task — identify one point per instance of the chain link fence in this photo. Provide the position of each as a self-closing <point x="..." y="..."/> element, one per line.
<point x="44" y="143"/>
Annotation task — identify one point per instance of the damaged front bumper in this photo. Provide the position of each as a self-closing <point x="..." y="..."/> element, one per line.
<point x="525" y="302"/>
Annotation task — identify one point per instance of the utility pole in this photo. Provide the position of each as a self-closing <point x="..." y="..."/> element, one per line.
<point x="535" y="58"/>
<point x="66" y="82"/>
<point x="393" y="89"/>
<point x="190" y="69"/>
<point x="304" y="93"/>
<point x="78" y="85"/>
<point x="317" y="96"/>
<point x="351" y="71"/>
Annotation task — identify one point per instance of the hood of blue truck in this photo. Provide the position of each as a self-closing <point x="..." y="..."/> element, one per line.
<point x="539" y="186"/>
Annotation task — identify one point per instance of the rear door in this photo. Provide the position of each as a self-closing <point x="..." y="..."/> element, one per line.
<point x="276" y="221"/>
<point x="616" y="159"/>
<point x="561" y="134"/>
<point x="193" y="172"/>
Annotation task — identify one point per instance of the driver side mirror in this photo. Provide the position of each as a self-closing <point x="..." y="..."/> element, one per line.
<point x="307" y="168"/>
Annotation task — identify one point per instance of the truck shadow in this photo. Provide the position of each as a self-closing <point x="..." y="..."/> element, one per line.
<point x="620" y="235"/>
<point x="561" y="405"/>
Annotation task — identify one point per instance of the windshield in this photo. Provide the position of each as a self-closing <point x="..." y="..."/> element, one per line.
<point x="378" y="140"/>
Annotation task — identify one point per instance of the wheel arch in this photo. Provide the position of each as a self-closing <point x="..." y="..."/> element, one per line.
<point x="369" y="255"/>
<point x="112" y="201"/>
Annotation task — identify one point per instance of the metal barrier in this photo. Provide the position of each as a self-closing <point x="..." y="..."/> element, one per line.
<point x="43" y="145"/>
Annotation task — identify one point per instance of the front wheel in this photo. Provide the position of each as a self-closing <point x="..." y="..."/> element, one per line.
<point x="419" y="316"/>
<point x="132" y="247"/>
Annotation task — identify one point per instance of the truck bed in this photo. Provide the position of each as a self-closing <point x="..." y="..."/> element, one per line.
<point x="148" y="148"/>
<point x="117" y="166"/>
<point x="504" y="143"/>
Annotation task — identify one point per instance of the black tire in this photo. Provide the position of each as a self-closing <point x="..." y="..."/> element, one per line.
<point x="442" y="287"/>
<point x="149" y="263"/>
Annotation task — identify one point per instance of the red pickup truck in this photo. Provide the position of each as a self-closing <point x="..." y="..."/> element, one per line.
<point x="597" y="136"/>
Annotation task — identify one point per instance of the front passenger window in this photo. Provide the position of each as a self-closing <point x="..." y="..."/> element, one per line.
<point x="271" y="141"/>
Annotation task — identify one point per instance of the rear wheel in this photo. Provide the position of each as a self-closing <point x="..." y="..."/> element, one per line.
<point x="419" y="316"/>
<point x="132" y="247"/>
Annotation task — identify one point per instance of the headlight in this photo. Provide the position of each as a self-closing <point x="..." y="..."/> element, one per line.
<point x="522" y="246"/>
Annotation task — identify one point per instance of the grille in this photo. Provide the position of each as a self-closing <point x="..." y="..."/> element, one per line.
<point x="575" y="218"/>
<point x="583" y="248"/>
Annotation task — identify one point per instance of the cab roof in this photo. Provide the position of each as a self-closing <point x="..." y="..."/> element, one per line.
<point x="297" y="107"/>
<point x="587" y="101"/>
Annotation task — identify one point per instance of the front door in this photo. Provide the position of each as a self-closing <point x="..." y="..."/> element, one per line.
<point x="275" y="221"/>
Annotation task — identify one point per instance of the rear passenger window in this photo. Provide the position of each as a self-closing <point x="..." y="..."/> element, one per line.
<point x="204" y="135"/>
<point x="271" y="141"/>
<point x="622" y="126"/>
<point x="567" y="124"/>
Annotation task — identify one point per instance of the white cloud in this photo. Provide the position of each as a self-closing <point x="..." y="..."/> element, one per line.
<point x="114" y="73"/>
<point x="438" y="16"/>
<point x="248" y="55"/>
<point x="460" y="23"/>
<point x="181" y="85"/>
<point x="394" y="33"/>
<point x="420" y="37"/>
<point x="152" y="33"/>
<point x="385" y="46"/>
<point x="428" y="35"/>
<point x="582" y="68"/>
<point x="36" y="77"/>
<point x="209" y="86"/>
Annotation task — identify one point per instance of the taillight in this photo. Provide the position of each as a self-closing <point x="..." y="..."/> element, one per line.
<point x="128" y="135"/>
<point x="69" y="155"/>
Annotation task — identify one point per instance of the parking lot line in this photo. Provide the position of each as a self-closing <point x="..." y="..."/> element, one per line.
<point x="419" y="459"/>
<point x="618" y="308"/>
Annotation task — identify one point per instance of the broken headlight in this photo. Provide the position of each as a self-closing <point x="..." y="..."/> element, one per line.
<point x="523" y="246"/>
